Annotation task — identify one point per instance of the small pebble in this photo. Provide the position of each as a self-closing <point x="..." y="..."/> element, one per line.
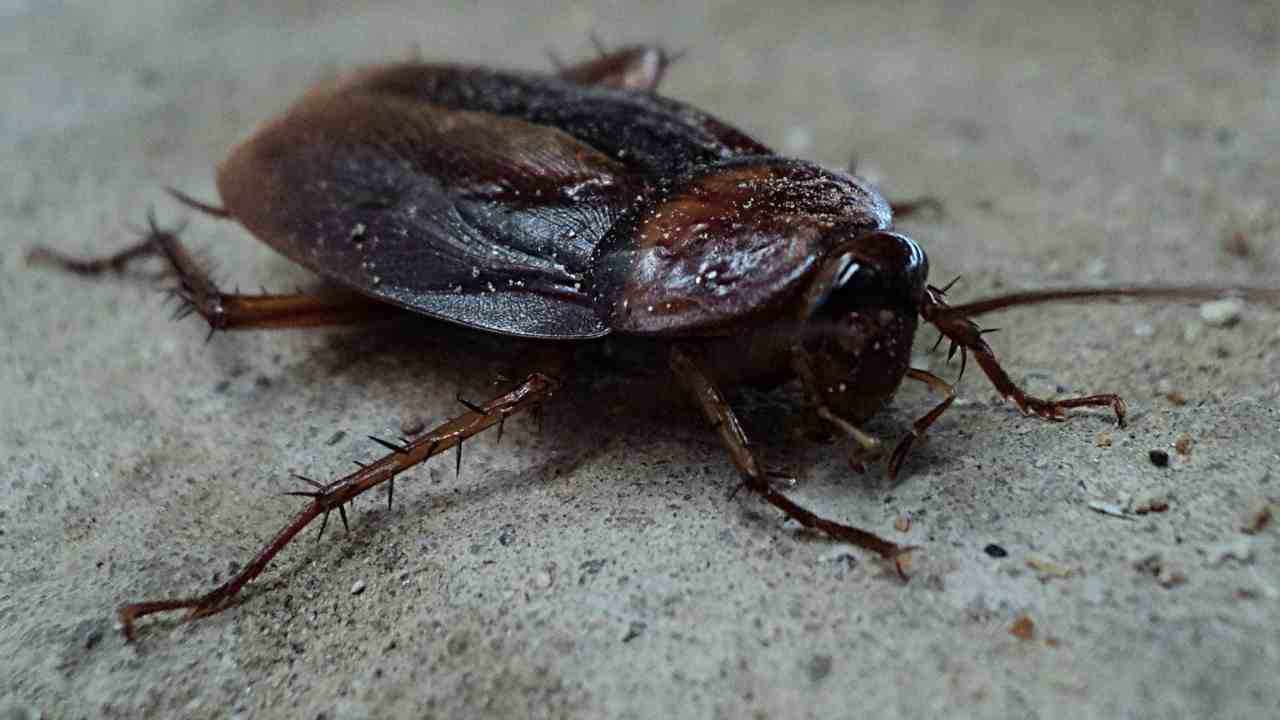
<point x="412" y="426"/>
<point x="1159" y="458"/>
<point x="336" y="438"/>
<point x="1170" y="576"/>
<point x="819" y="667"/>
<point x="506" y="535"/>
<point x="1107" y="508"/>
<point x="542" y="580"/>
<point x="1222" y="313"/>
<point x="995" y="551"/>
<point x="635" y="630"/>
<point x="1024" y="628"/>
<point x="357" y="587"/>
<point x="1046" y="569"/>
<point x="1150" y="504"/>
<point x="1183" y="445"/>
<point x="902" y="523"/>
<point x="1258" y="518"/>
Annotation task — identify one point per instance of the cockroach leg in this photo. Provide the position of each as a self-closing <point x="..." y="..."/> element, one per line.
<point x="116" y="262"/>
<point x="224" y="311"/>
<point x="867" y="447"/>
<point x="638" y="67"/>
<point x="968" y="337"/>
<point x="194" y="204"/>
<point x="925" y="207"/>
<point x="695" y="379"/>
<point x="922" y="424"/>
<point x="327" y="498"/>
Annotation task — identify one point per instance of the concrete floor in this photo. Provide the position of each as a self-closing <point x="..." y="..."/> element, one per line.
<point x="599" y="567"/>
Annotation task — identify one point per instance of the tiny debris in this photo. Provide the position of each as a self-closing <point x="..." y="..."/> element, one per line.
<point x="1023" y="628"/>
<point x="902" y="523"/>
<point x="1175" y="398"/>
<point x="1107" y="508"/>
<point x="412" y="425"/>
<point x="1167" y="575"/>
<point x="357" y="587"/>
<point x="1258" y="518"/>
<point x="635" y="630"/>
<point x="506" y="534"/>
<point x="1237" y="244"/>
<point x="1183" y="445"/>
<point x="1149" y="504"/>
<point x="1240" y="550"/>
<point x="1047" y="569"/>
<point x="1144" y="329"/>
<point x="542" y="580"/>
<point x="995" y="551"/>
<point x="336" y="438"/>
<point x="1222" y="313"/>
<point x="819" y="667"/>
<point x="1170" y="576"/>
<point x="1103" y="440"/>
<point x="1159" y="458"/>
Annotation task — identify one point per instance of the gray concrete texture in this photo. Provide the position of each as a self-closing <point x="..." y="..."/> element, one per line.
<point x="599" y="567"/>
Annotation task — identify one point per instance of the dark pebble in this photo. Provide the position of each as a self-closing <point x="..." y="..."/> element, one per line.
<point x="995" y="551"/>
<point x="819" y="667"/>
<point x="507" y="535"/>
<point x="634" y="631"/>
<point x="1159" y="458"/>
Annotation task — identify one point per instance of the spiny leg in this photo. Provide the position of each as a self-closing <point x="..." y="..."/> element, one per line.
<point x="922" y="424"/>
<point x="966" y="335"/>
<point x="223" y="311"/>
<point x="636" y="67"/>
<point x="695" y="379"/>
<point x="116" y="262"/>
<point x="327" y="498"/>
<point x="928" y="206"/>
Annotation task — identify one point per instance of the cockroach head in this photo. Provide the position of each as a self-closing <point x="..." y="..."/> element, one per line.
<point x="862" y="307"/>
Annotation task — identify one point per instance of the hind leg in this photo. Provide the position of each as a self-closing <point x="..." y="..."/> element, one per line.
<point x="223" y="311"/>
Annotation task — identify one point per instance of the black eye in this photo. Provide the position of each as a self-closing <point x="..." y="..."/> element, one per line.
<point x="880" y="268"/>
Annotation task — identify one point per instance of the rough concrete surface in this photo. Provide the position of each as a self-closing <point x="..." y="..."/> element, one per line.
<point x="599" y="567"/>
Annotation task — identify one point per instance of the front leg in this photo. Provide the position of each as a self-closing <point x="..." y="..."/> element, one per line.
<point x="689" y="371"/>
<point x="967" y="336"/>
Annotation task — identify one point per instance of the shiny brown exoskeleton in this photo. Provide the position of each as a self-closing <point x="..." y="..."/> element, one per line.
<point x="574" y="206"/>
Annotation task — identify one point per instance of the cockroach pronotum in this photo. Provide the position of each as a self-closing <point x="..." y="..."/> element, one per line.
<point x="579" y="206"/>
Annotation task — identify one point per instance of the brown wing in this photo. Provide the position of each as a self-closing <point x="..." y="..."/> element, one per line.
<point x="466" y="216"/>
<point x="464" y="194"/>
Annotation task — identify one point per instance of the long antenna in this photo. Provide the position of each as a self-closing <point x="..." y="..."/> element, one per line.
<point x="1268" y="296"/>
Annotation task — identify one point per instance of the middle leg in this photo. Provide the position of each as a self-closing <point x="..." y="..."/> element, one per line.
<point x="694" y="378"/>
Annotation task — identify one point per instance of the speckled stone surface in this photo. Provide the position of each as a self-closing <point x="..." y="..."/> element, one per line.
<point x="599" y="567"/>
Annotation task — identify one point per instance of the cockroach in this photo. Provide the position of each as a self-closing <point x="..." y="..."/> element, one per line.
<point x="574" y="206"/>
